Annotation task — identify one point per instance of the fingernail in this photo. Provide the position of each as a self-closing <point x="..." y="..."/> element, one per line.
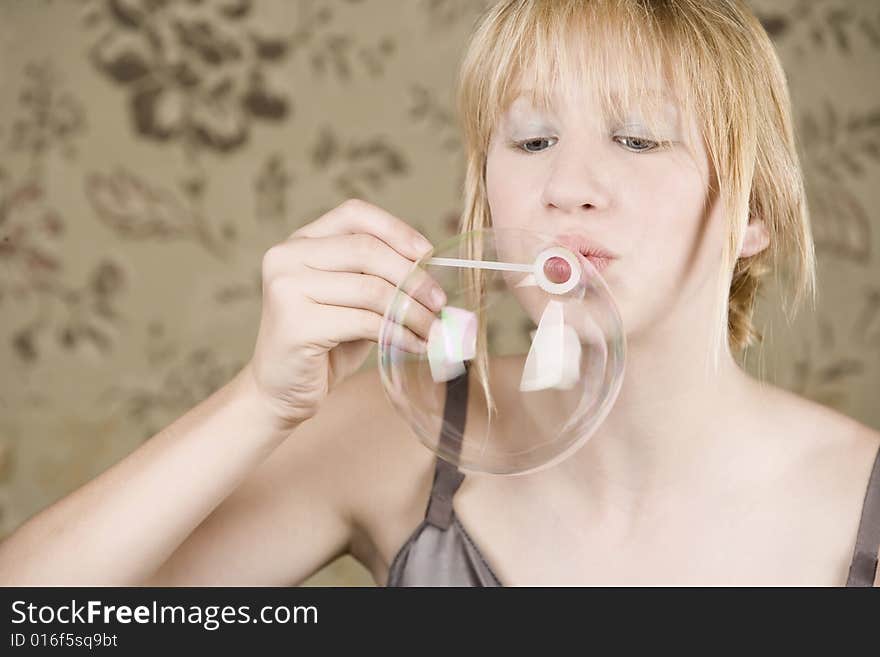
<point x="422" y="245"/>
<point x="438" y="297"/>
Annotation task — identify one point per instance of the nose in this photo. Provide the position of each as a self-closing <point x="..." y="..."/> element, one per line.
<point x="576" y="181"/>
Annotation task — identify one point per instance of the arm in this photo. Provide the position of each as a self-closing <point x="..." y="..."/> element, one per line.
<point x="325" y="289"/>
<point x="295" y="513"/>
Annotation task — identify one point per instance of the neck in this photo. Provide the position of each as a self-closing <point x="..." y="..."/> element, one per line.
<point x="678" y="422"/>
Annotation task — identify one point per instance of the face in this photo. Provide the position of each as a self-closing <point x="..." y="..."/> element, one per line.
<point x="570" y="172"/>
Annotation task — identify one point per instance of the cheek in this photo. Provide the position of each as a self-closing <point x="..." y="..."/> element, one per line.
<point x="506" y="190"/>
<point x="672" y="217"/>
<point x="674" y="250"/>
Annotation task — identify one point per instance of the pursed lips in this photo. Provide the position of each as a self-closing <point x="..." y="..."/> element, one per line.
<point x="599" y="256"/>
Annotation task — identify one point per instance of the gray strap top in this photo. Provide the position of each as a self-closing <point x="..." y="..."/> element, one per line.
<point x="863" y="567"/>
<point x="440" y="552"/>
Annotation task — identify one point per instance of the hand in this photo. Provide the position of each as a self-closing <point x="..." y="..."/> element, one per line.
<point x="325" y="291"/>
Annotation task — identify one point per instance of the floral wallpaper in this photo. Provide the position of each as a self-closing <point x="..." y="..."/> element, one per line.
<point x="154" y="149"/>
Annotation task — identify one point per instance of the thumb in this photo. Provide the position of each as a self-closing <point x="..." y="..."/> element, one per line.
<point x="345" y="359"/>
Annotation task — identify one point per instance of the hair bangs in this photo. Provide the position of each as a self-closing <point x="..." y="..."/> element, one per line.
<point x="542" y="56"/>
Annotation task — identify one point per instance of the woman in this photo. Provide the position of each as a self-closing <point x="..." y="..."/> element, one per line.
<point x="660" y="130"/>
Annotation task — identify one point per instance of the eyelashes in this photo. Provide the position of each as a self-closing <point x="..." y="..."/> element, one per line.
<point x="637" y="144"/>
<point x="519" y="145"/>
<point x="653" y="145"/>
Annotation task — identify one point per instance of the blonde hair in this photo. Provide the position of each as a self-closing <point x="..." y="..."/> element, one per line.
<point x="722" y="69"/>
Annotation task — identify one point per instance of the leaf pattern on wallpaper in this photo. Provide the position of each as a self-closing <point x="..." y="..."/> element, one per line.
<point x="446" y="14"/>
<point x="49" y="116"/>
<point x="841" y="146"/>
<point x="137" y="209"/>
<point x="426" y="109"/>
<point x="840" y="27"/>
<point x="182" y="383"/>
<point x="196" y="73"/>
<point x="29" y="246"/>
<point x="32" y="269"/>
<point x="49" y="119"/>
<point x="270" y="189"/>
<point x="841" y="225"/>
<point x="230" y="293"/>
<point x="832" y="362"/>
<point x="89" y="316"/>
<point x="838" y="150"/>
<point x="865" y="330"/>
<point x="363" y="165"/>
<point x="337" y="53"/>
<point x="824" y="26"/>
<point x="271" y="185"/>
<point x="330" y="51"/>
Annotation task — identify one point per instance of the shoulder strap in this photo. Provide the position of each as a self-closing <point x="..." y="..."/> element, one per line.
<point x="447" y="477"/>
<point x="864" y="562"/>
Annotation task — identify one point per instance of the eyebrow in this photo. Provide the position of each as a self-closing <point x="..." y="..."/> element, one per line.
<point x="671" y="113"/>
<point x="671" y="110"/>
<point x="653" y="91"/>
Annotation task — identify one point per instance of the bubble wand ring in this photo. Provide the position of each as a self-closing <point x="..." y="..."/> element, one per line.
<point x="536" y="269"/>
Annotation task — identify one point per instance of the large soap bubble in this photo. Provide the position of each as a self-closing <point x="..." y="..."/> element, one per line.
<point x="530" y="392"/>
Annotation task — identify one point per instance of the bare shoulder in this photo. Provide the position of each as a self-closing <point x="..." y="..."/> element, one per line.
<point x="383" y="474"/>
<point x="811" y="468"/>
<point x="821" y="425"/>
<point x="825" y="456"/>
<point x="379" y="440"/>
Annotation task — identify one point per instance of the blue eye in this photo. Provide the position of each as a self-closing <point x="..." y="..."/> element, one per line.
<point x="521" y="144"/>
<point x="635" y="141"/>
<point x="633" y="144"/>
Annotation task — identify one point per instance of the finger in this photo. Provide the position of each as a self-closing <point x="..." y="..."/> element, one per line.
<point x="359" y="324"/>
<point x="365" y="254"/>
<point x="357" y="216"/>
<point x="369" y="293"/>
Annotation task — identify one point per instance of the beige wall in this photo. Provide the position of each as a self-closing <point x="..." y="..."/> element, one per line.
<point x="135" y="208"/>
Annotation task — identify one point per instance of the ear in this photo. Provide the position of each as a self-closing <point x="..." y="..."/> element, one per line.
<point x="756" y="238"/>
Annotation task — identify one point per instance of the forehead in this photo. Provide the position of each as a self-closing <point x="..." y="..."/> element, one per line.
<point x="555" y="95"/>
<point x="655" y="103"/>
